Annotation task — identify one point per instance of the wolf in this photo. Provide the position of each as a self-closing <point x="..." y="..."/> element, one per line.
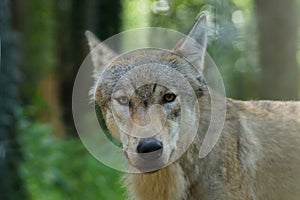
<point x="257" y="156"/>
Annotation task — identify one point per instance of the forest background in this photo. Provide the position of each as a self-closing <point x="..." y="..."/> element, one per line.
<point x="254" y="43"/>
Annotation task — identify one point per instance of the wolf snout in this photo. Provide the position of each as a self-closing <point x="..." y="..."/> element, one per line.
<point x="150" y="148"/>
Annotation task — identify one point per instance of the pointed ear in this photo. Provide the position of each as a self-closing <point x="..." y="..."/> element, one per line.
<point x="101" y="54"/>
<point x="193" y="46"/>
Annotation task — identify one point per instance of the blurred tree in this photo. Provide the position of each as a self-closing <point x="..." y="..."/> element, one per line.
<point x="105" y="17"/>
<point x="11" y="185"/>
<point x="75" y="17"/>
<point x="233" y="47"/>
<point x="277" y="32"/>
<point x="183" y="14"/>
<point x="69" y="51"/>
<point x="230" y="40"/>
<point x="41" y="83"/>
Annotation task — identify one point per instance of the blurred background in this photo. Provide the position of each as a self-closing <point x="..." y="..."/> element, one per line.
<point x="255" y="44"/>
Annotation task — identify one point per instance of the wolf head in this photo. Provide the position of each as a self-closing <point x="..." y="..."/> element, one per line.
<point x="149" y="98"/>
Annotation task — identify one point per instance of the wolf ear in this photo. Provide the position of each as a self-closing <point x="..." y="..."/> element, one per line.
<point x="102" y="55"/>
<point x="193" y="46"/>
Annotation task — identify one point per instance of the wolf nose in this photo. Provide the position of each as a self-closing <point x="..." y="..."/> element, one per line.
<point x="150" y="145"/>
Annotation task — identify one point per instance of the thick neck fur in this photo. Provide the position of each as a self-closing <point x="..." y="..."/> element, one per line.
<point x="168" y="183"/>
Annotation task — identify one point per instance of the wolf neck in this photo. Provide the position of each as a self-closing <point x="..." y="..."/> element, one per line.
<point x="168" y="183"/>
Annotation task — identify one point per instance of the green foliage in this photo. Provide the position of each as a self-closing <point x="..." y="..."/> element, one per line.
<point x="63" y="169"/>
<point x="181" y="16"/>
<point x="231" y="39"/>
<point x="233" y="47"/>
<point x="39" y="56"/>
<point x="40" y="38"/>
<point x="53" y="40"/>
<point x="135" y="14"/>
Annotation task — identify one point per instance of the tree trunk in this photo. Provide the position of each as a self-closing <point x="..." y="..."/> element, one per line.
<point x="106" y="18"/>
<point x="100" y="16"/>
<point x="11" y="185"/>
<point x="41" y="85"/>
<point x="277" y="31"/>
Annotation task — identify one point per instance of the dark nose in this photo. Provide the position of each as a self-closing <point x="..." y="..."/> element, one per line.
<point x="149" y="145"/>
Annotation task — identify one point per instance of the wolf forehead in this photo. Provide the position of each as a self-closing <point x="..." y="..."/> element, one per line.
<point x="124" y="63"/>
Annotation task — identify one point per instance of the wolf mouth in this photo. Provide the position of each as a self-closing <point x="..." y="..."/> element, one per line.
<point x="147" y="162"/>
<point x="149" y="166"/>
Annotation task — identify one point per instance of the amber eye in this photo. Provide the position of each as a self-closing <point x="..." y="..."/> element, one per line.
<point x="123" y="100"/>
<point x="169" y="97"/>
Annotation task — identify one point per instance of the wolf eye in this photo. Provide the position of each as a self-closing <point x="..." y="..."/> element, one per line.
<point x="123" y="100"/>
<point x="169" y="97"/>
